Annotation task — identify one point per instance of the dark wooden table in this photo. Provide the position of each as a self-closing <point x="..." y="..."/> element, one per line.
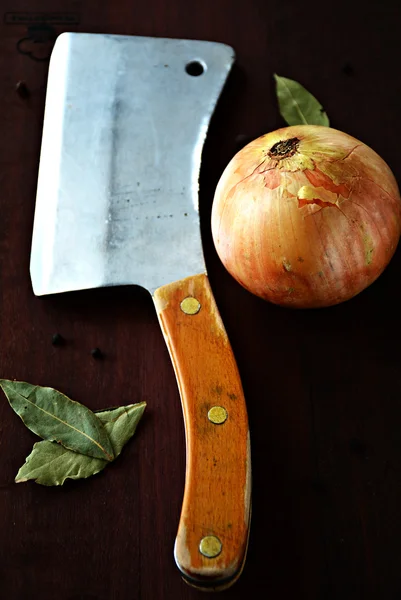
<point x="323" y="387"/>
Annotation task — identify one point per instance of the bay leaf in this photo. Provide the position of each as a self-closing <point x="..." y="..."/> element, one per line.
<point x="54" y="417"/>
<point x="297" y="105"/>
<point x="121" y="423"/>
<point x="51" y="464"/>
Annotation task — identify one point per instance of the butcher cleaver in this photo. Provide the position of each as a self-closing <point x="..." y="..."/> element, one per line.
<point x="117" y="204"/>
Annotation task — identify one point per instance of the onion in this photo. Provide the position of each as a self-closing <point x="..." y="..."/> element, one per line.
<point x="306" y="216"/>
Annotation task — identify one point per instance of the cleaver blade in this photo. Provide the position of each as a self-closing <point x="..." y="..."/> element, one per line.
<point x="117" y="203"/>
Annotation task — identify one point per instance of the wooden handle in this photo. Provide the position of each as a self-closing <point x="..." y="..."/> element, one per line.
<point x="212" y="536"/>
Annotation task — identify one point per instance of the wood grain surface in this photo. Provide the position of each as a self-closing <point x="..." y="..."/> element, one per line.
<point x="323" y="388"/>
<point x="218" y="459"/>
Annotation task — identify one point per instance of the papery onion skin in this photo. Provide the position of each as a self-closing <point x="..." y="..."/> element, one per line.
<point x="306" y="216"/>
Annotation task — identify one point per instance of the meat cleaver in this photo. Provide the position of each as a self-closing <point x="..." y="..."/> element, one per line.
<point x="117" y="204"/>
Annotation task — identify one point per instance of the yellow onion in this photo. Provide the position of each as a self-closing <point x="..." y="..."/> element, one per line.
<point x="306" y="216"/>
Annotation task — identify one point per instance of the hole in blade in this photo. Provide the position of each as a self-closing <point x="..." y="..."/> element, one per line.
<point x="195" y="68"/>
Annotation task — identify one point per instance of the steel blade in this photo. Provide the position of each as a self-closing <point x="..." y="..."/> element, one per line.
<point x="117" y="197"/>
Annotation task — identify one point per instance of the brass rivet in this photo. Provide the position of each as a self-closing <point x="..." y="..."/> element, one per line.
<point x="217" y="415"/>
<point x="190" y="306"/>
<point x="210" y="546"/>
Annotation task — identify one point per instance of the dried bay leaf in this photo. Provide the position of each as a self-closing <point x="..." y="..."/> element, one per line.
<point x="51" y="464"/>
<point x="297" y="105"/>
<point x="54" y="417"/>
<point x="121" y="423"/>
